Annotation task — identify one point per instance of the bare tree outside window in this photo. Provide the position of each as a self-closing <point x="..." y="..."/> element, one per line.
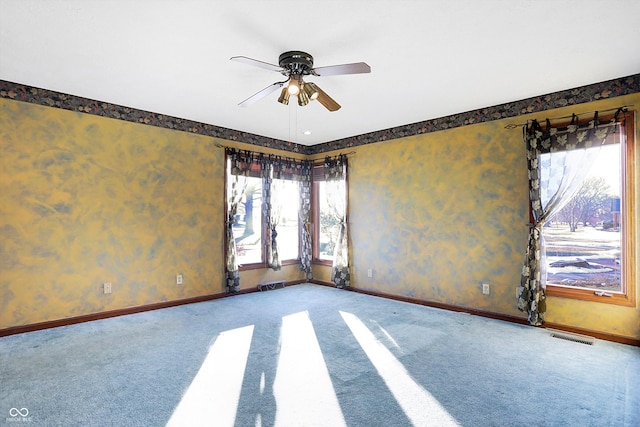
<point x="591" y="205"/>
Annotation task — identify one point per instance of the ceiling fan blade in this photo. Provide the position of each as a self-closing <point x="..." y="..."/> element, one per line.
<point x="326" y="100"/>
<point x="258" y="96"/>
<point x="256" y="63"/>
<point x="334" y="70"/>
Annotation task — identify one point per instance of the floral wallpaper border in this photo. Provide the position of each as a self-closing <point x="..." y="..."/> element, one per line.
<point x="603" y="90"/>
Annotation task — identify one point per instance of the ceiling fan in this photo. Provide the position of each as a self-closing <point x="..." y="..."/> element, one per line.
<point x="295" y="65"/>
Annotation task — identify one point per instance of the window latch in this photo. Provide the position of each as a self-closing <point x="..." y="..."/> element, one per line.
<point x="603" y="294"/>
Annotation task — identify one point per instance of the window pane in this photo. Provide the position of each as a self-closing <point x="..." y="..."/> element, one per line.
<point x="583" y="241"/>
<point x="286" y="201"/>
<point x="331" y="196"/>
<point x="247" y="225"/>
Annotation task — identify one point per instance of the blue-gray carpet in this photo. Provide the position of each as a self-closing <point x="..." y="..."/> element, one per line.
<point x="313" y="355"/>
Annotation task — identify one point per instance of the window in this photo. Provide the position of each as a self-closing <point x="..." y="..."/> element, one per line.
<point x="589" y="243"/>
<point x="248" y="224"/>
<point x="285" y="203"/>
<point x="328" y="213"/>
<point x="263" y="203"/>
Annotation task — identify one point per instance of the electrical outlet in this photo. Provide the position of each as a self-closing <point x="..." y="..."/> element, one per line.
<point x="369" y="273"/>
<point x="179" y="279"/>
<point x="485" y="288"/>
<point x="106" y="287"/>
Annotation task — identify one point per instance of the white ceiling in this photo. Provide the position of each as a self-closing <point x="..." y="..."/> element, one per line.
<point x="429" y="59"/>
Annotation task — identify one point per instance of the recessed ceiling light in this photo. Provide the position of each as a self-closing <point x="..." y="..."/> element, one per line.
<point x="307" y="132"/>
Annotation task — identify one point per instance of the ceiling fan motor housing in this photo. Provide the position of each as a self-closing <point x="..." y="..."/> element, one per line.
<point x="296" y="62"/>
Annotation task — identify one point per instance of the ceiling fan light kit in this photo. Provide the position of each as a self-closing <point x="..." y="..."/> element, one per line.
<point x="295" y="65"/>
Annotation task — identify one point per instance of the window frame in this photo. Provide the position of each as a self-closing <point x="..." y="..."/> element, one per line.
<point x="290" y="261"/>
<point x="317" y="175"/>
<point x="627" y="296"/>
<point x="263" y="252"/>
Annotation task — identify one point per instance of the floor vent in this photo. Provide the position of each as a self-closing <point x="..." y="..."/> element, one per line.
<point x="582" y="339"/>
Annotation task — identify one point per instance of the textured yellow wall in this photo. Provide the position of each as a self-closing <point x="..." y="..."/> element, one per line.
<point x="436" y="215"/>
<point x="86" y="200"/>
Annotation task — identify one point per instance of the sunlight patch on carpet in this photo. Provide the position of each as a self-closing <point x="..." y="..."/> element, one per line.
<point x="302" y="386"/>
<point x="214" y="393"/>
<point x="388" y="336"/>
<point x="418" y="404"/>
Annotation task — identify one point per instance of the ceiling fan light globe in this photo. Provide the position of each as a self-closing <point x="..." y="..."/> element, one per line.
<point x="294" y="87"/>
<point x="293" y="90"/>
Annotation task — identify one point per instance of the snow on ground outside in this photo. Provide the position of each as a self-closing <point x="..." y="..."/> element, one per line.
<point x="589" y="257"/>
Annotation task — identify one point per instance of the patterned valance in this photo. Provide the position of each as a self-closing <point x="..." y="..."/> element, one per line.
<point x="572" y="136"/>
<point x="290" y="169"/>
<point x="249" y="163"/>
<point x="243" y="162"/>
<point x="335" y="167"/>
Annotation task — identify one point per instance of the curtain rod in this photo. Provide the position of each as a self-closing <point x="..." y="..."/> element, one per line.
<point x="350" y="153"/>
<point x="264" y="154"/>
<point x="624" y="107"/>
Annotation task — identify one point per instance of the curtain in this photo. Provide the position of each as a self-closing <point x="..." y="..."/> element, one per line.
<point x="238" y="186"/>
<point x="558" y="158"/>
<point x="304" y="218"/>
<point x="243" y="162"/>
<point x="335" y="173"/>
<point x="271" y="211"/>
